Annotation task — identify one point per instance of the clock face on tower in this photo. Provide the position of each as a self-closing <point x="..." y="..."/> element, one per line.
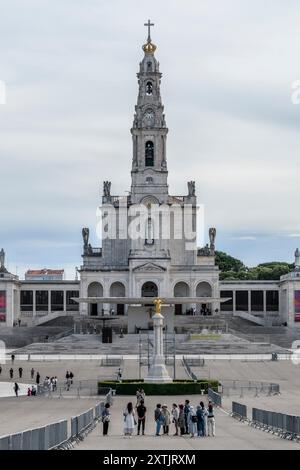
<point x="148" y="118"/>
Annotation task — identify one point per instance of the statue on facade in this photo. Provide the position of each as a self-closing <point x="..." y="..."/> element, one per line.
<point x="85" y="236"/>
<point x="192" y="188"/>
<point x="212" y="237"/>
<point x="297" y="259"/>
<point x="205" y="251"/>
<point x="106" y="188"/>
<point x="2" y="258"/>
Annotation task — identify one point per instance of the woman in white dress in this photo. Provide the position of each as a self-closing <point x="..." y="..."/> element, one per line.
<point x="129" y="420"/>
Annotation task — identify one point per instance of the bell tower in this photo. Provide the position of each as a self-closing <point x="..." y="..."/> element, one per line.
<point x="149" y="132"/>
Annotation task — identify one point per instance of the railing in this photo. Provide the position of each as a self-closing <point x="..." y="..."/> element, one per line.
<point x="188" y="369"/>
<point x="242" y="387"/>
<point x="286" y="426"/>
<point x="239" y="410"/>
<point x="215" y="397"/>
<point x="55" y="435"/>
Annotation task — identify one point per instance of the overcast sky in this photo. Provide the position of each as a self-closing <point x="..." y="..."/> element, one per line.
<point x="70" y="72"/>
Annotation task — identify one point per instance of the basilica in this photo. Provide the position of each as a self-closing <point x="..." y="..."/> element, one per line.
<point x="149" y="247"/>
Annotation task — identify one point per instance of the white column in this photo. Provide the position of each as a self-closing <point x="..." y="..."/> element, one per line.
<point x="65" y="301"/>
<point x="33" y="303"/>
<point x="233" y="301"/>
<point x="265" y="302"/>
<point x="249" y="301"/>
<point x="49" y="301"/>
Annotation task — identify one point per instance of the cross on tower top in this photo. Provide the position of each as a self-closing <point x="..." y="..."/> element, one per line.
<point x="149" y="24"/>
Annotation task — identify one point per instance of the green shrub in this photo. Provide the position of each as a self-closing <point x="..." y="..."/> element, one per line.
<point x="178" y="387"/>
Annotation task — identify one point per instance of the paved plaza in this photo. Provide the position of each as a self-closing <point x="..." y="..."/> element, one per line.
<point x="230" y="434"/>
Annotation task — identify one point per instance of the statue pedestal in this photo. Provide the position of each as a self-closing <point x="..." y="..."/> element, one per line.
<point x="158" y="372"/>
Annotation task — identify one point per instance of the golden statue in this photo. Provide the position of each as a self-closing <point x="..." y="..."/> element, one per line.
<point x="158" y="302"/>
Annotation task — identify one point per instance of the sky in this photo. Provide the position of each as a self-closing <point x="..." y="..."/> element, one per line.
<point x="69" y="69"/>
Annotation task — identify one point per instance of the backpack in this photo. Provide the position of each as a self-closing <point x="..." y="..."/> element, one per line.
<point x="194" y="419"/>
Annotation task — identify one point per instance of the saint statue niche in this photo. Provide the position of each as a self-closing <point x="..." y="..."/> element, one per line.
<point x="149" y="153"/>
<point x="149" y="232"/>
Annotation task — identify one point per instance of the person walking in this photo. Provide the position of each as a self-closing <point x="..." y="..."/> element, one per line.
<point x="20" y="372"/>
<point x="201" y="420"/>
<point x="16" y="389"/>
<point x="211" y="424"/>
<point x="71" y="377"/>
<point x="181" y="420"/>
<point x="67" y="375"/>
<point x="11" y="372"/>
<point x="141" y="417"/>
<point x="186" y="412"/>
<point x="175" y="417"/>
<point x="166" y="419"/>
<point x="33" y="390"/>
<point x="38" y="378"/>
<point x="158" y="418"/>
<point x="105" y="417"/>
<point x="32" y="373"/>
<point x="129" y="420"/>
<point x="192" y="421"/>
<point x="12" y="358"/>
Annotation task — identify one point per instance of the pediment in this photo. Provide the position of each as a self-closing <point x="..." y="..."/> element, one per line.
<point x="149" y="267"/>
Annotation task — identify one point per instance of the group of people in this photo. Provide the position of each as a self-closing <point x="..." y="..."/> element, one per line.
<point x="187" y="419"/>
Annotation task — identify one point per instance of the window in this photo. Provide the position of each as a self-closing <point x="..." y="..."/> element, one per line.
<point x="41" y="300"/>
<point x="272" y="301"/>
<point x="149" y="179"/>
<point x="149" y="66"/>
<point x="242" y="300"/>
<point x="257" y="301"/>
<point x="71" y="304"/>
<point x="26" y="300"/>
<point x="149" y="153"/>
<point x="228" y="305"/>
<point x="149" y="88"/>
<point x="57" y="300"/>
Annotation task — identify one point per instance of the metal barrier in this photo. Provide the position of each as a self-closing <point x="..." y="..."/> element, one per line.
<point x="244" y="387"/>
<point x="215" y="397"/>
<point x="55" y="435"/>
<point x="239" y="410"/>
<point x="43" y="438"/>
<point x="287" y="426"/>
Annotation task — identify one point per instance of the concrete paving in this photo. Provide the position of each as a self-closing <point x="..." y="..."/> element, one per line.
<point x="19" y="414"/>
<point x="230" y="434"/>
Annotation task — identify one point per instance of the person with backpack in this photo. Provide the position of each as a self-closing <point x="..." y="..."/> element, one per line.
<point x="158" y="418"/>
<point x="141" y="416"/>
<point x="211" y="424"/>
<point x="192" y="421"/>
<point x="201" y="422"/>
<point x="181" y="420"/>
<point x="105" y="418"/>
<point x="175" y="417"/>
<point x="166" y="419"/>
<point x="186" y="412"/>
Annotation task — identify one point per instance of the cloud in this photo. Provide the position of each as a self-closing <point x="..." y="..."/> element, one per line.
<point x="70" y="72"/>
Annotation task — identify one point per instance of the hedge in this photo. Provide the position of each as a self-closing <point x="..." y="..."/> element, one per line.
<point x="179" y="387"/>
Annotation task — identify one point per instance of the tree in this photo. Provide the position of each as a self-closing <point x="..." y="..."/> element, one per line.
<point x="228" y="263"/>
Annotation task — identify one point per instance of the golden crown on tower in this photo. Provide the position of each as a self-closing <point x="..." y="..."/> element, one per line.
<point x="149" y="48"/>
